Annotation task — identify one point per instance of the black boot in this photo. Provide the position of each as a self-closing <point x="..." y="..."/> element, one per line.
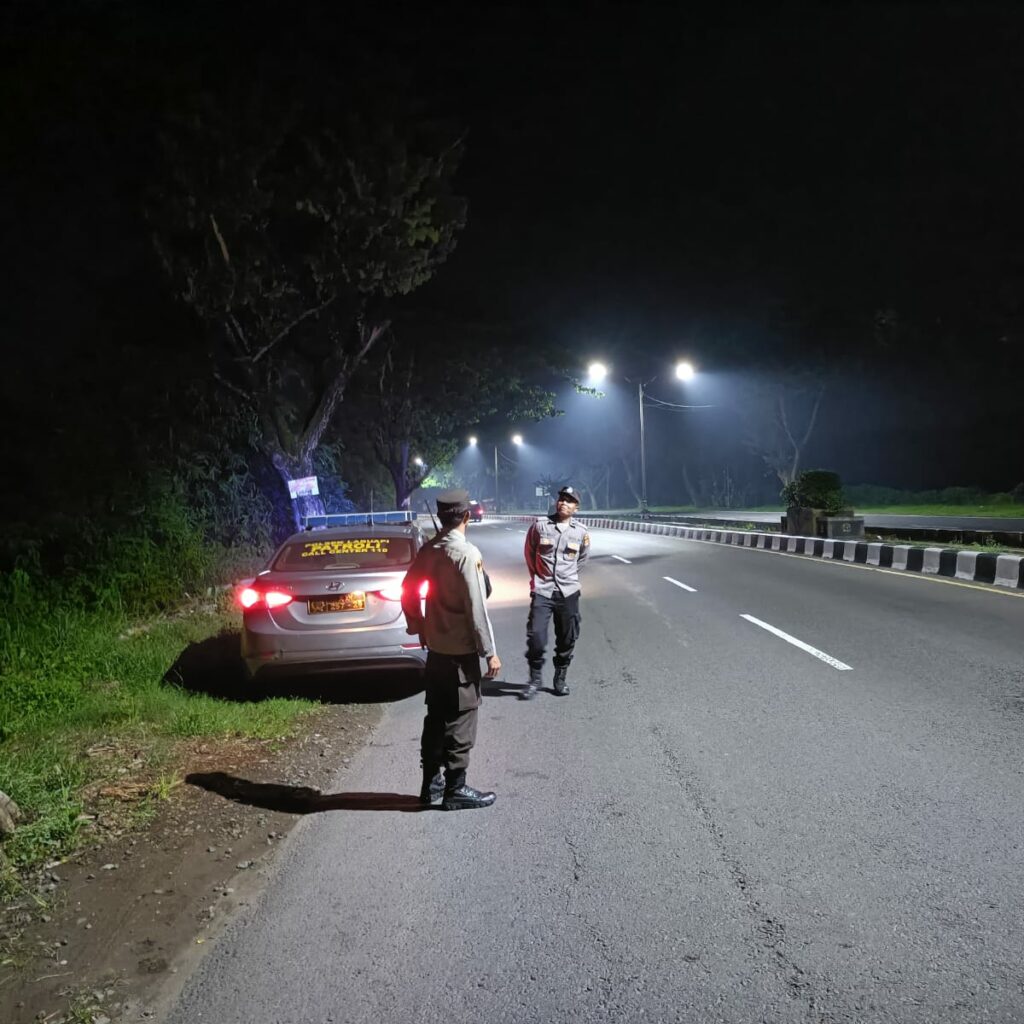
<point x="561" y="690"/>
<point x="536" y="678"/>
<point x="465" y="798"/>
<point x="432" y="789"/>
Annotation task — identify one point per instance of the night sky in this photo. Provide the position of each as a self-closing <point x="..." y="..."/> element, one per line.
<point x="769" y="186"/>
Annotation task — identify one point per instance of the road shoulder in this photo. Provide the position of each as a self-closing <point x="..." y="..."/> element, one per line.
<point x="122" y="924"/>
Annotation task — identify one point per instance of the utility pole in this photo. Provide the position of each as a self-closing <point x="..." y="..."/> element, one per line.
<point x="497" y="500"/>
<point x="644" y="511"/>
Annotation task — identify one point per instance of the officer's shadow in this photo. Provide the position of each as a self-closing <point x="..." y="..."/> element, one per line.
<point x="501" y="688"/>
<point x="275" y="796"/>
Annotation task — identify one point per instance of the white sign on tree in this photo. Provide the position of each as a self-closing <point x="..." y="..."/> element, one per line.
<point x="304" y="487"/>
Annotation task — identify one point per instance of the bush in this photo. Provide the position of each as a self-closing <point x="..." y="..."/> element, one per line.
<point x="815" y="488"/>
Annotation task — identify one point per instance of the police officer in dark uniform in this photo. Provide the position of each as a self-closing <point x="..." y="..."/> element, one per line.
<point x="457" y="633"/>
<point x="557" y="546"/>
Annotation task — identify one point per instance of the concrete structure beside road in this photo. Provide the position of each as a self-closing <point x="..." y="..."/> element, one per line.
<point x="1001" y="570"/>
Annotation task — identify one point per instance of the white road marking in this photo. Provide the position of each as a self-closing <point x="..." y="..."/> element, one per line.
<point x="682" y="586"/>
<point x="520" y="531"/>
<point x="621" y="559"/>
<point x="827" y="658"/>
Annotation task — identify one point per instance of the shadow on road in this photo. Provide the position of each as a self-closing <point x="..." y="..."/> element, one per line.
<point x="501" y="688"/>
<point x="273" y="796"/>
<point x="214" y="667"/>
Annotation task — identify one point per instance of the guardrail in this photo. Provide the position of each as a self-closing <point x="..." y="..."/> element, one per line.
<point x="325" y="522"/>
<point x="1001" y="570"/>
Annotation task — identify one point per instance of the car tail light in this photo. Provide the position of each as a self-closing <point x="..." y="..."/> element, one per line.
<point x="250" y="597"/>
<point x="394" y="592"/>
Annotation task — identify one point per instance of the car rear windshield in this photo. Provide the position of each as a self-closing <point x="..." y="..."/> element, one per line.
<point x="345" y="553"/>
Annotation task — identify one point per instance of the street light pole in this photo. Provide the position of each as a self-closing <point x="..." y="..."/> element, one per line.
<point x="644" y="512"/>
<point x="497" y="500"/>
<point x="684" y="371"/>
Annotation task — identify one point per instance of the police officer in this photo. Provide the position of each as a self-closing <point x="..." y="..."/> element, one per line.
<point x="556" y="548"/>
<point x="457" y="633"/>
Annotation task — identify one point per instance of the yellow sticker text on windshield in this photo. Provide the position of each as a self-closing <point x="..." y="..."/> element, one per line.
<point x="348" y="546"/>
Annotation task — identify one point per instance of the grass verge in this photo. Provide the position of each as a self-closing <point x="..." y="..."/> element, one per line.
<point x="87" y="721"/>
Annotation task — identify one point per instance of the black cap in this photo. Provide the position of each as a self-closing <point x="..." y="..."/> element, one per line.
<point x="569" y="492"/>
<point x="452" y="503"/>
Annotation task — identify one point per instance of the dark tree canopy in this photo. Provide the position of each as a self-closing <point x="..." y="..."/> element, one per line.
<point x="285" y="230"/>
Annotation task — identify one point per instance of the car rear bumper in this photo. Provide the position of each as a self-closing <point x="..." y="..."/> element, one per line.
<point x="381" y="649"/>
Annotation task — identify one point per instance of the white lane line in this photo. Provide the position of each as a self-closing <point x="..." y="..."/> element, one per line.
<point x="827" y="658"/>
<point x="621" y="559"/>
<point x="520" y="531"/>
<point x="682" y="586"/>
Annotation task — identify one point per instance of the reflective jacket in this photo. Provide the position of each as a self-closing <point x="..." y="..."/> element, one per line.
<point x="455" y="619"/>
<point x="555" y="553"/>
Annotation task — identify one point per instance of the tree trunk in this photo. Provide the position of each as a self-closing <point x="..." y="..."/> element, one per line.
<point x="404" y="481"/>
<point x="691" y="493"/>
<point x="296" y="469"/>
<point x="631" y="479"/>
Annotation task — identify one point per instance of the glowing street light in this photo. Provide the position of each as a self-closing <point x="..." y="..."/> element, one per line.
<point x="685" y="370"/>
<point x="418" y="461"/>
<point x="517" y="440"/>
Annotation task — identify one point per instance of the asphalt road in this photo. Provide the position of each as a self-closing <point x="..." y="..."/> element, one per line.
<point x="979" y="523"/>
<point x="718" y="825"/>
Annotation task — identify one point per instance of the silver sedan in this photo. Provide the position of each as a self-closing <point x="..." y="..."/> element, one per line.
<point x="332" y="599"/>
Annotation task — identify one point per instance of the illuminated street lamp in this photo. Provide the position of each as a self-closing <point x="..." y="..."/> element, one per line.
<point x="418" y="461"/>
<point x="517" y="440"/>
<point x="684" y="371"/>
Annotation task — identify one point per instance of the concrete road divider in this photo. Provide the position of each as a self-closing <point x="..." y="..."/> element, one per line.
<point x="1001" y="570"/>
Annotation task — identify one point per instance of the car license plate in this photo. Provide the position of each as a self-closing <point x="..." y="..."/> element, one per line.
<point x="354" y="602"/>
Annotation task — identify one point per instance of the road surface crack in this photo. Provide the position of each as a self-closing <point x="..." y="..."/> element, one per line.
<point x="772" y="932"/>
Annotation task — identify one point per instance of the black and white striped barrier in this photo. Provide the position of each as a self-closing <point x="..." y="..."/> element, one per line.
<point x="977" y="566"/>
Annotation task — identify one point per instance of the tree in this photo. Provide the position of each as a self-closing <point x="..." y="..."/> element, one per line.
<point x="550" y="484"/>
<point x="591" y="478"/>
<point x="283" y="230"/>
<point x="781" y="413"/>
<point x="430" y="382"/>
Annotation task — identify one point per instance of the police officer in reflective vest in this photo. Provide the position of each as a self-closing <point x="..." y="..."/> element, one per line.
<point x="457" y="633"/>
<point x="557" y="546"/>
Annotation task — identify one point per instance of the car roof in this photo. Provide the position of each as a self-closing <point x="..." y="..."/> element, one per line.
<point x="356" y="530"/>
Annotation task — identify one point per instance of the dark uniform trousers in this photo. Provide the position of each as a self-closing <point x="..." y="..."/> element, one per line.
<point x="566" y="613"/>
<point x="449" y="730"/>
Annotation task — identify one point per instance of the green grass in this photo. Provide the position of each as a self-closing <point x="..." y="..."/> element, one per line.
<point x="83" y="704"/>
<point x="986" y="511"/>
